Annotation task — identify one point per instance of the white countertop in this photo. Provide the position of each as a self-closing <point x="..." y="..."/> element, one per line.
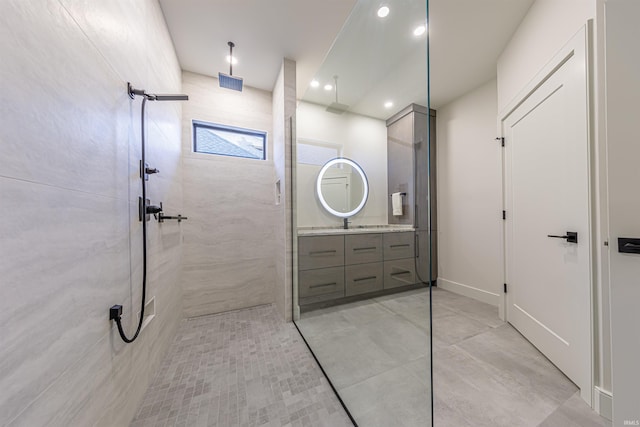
<point x="356" y="229"/>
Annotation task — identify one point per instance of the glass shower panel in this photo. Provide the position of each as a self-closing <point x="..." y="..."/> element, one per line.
<point x="363" y="272"/>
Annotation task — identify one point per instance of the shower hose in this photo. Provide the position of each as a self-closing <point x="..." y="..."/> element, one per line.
<point x="117" y="318"/>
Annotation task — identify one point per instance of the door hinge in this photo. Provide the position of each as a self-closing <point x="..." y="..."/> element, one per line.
<point x="505" y="288"/>
<point x="501" y="139"/>
<point x="504" y="214"/>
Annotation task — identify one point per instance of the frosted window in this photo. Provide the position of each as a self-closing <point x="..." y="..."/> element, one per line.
<point x="316" y="154"/>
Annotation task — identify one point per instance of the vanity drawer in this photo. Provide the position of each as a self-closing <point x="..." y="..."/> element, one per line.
<point x="321" y="285"/>
<point x="363" y="248"/>
<point x="363" y="278"/>
<point x="398" y="245"/>
<point x="320" y="252"/>
<point x="400" y="272"/>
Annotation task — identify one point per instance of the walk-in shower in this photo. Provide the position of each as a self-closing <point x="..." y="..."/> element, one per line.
<point x="145" y="209"/>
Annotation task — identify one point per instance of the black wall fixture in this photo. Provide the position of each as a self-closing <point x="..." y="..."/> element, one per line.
<point x="629" y="245"/>
<point x="145" y="208"/>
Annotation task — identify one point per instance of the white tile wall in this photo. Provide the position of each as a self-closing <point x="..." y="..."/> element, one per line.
<point x="70" y="240"/>
<point x="284" y="128"/>
<point x="229" y="239"/>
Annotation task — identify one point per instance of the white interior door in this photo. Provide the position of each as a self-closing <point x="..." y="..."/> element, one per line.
<point x="548" y="193"/>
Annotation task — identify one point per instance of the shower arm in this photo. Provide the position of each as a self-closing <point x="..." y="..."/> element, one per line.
<point x="231" y="45"/>
<point x="154" y="97"/>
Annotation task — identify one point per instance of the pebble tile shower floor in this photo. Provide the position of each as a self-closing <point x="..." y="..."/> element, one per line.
<point x="243" y="368"/>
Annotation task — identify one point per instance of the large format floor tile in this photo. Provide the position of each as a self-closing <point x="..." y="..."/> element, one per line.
<point x="573" y="414"/>
<point x="485" y="373"/>
<point x="349" y="356"/>
<point x="393" y="398"/>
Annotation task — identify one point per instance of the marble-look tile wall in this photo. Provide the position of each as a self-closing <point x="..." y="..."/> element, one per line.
<point x="70" y="240"/>
<point x="284" y="107"/>
<point x="229" y="239"/>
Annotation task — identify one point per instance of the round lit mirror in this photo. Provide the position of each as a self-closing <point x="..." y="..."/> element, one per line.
<point x="342" y="187"/>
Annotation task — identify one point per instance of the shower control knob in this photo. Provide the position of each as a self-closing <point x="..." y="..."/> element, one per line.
<point x="152" y="209"/>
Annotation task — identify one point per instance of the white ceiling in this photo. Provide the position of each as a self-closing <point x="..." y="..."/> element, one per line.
<point x="264" y="32"/>
<point x="376" y="59"/>
<point x="467" y="36"/>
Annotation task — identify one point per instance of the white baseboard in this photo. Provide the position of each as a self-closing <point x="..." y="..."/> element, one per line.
<point x="469" y="291"/>
<point x="603" y="403"/>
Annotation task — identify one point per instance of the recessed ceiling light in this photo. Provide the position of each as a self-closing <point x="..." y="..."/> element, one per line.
<point x="233" y="60"/>
<point x="383" y="12"/>
<point x="388" y="104"/>
<point x="328" y="87"/>
<point x="419" y="30"/>
<point x="315" y="83"/>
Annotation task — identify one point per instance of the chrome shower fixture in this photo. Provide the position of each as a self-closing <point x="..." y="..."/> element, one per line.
<point x="155" y="97"/>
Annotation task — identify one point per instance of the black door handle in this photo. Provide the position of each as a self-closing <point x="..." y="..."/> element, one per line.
<point x="572" y="237"/>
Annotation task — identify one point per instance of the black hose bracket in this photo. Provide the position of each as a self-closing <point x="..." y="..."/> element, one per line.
<point x="115" y="312"/>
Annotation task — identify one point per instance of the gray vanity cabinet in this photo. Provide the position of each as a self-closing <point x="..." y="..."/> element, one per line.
<point x="399" y="272"/>
<point x="321" y="268"/>
<point x="363" y="278"/>
<point x="399" y="265"/>
<point x="363" y="248"/>
<point x="399" y="245"/>
<point x="321" y="284"/>
<point x="320" y="252"/>
<point x="363" y="260"/>
<point x="337" y="266"/>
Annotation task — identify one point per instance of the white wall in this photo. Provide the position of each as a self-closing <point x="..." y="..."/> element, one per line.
<point x="469" y="192"/>
<point x="548" y="25"/>
<point x="70" y="240"/>
<point x="229" y="239"/>
<point x="623" y="110"/>
<point x="362" y="139"/>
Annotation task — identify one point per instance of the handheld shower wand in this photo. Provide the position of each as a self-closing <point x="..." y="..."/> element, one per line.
<point x="115" y="312"/>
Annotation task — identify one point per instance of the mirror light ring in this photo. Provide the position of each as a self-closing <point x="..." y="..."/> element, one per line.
<point x="365" y="183"/>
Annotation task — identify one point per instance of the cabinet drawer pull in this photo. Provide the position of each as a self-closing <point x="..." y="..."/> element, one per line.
<point x="404" y="245"/>
<point x="400" y="273"/>
<point x="370" y="248"/>
<point x="333" y="251"/>
<point x="361" y="279"/>
<point x="323" y="285"/>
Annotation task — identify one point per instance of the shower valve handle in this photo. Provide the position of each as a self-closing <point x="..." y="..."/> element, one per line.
<point x="152" y="209"/>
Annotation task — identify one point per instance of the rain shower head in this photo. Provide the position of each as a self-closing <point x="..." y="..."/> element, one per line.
<point x="154" y="97"/>
<point x="336" y="107"/>
<point x="228" y="81"/>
